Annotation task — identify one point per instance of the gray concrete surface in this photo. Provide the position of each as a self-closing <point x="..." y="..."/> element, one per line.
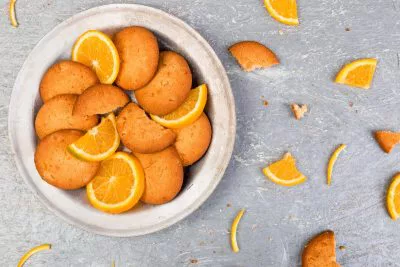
<point x="278" y="220"/>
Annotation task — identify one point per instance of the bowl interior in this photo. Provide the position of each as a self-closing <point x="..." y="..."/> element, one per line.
<point x="201" y="179"/>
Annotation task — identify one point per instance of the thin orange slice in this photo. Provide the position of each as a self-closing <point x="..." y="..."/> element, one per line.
<point x="31" y="252"/>
<point x="358" y="73"/>
<point x="332" y="162"/>
<point x="11" y="11"/>
<point x="387" y="140"/>
<point x="118" y="184"/>
<point x="393" y="198"/>
<point x="96" y="50"/>
<point x="284" y="172"/>
<point x="234" y="226"/>
<point x="98" y="143"/>
<point x="284" y="11"/>
<point x="188" y="112"/>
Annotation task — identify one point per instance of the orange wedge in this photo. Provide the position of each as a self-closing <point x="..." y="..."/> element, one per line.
<point x="393" y="198"/>
<point x="332" y="162"/>
<point x="234" y="226"/>
<point x="118" y="184"/>
<point x="96" y="50"/>
<point x="358" y="73"/>
<point x="98" y="143"/>
<point x="31" y="252"/>
<point x="188" y="112"/>
<point x="284" y="172"/>
<point x="11" y="11"/>
<point x="284" y="11"/>
<point x="387" y="140"/>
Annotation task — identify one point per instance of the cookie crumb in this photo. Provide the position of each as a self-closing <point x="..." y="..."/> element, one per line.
<point x="194" y="261"/>
<point x="342" y="248"/>
<point x="347" y="29"/>
<point x="351" y="104"/>
<point x="299" y="110"/>
<point x="228" y="205"/>
<point x="280" y="32"/>
<point x="265" y="103"/>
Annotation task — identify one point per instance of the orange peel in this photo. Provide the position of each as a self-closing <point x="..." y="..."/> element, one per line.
<point x="234" y="226"/>
<point x="31" y="252"/>
<point x="13" y="18"/>
<point x="332" y="162"/>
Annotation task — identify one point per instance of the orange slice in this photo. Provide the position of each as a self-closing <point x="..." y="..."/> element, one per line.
<point x="284" y="11"/>
<point x="234" y="226"/>
<point x="358" y="73"/>
<point x="284" y="172"/>
<point x="387" y="140"/>
<point x="96" y="50"/>
<point x="98" y="143"/>
<point x="11" y="11"/>
<point x="188" y="112"/>
<point x="393" y="198"/>
<point x="118" y="184"/>
<point x="31" y="252"/>
<point x="332" y="162"/>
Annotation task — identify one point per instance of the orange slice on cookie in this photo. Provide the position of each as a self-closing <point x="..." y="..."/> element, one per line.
<point x="284" y="172"/>
<point x="188" y="112"/>
<point x="284" y="11"/>
<point x="118" y="185"/>
<point x="358" y="73"/>
<point x="96" y="50"/>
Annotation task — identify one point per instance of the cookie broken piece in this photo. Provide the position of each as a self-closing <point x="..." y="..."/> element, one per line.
<point x="320" y="251"/>
<point x="252" y="55"/>
<point x="387" y="140"/>
<point x="299" y="110"/>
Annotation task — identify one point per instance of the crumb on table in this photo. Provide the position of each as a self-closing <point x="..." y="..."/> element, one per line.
<point x="299" y="110"/>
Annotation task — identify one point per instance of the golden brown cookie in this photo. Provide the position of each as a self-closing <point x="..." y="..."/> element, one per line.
<point x="66" y="77"/>
<point x="141" y="134"/>
<point x="57" y="166"/>
<point x="163" y="173"/>
<point x="193" y="140"/>
<point x="252" y="55"/>
<point x="138" y="51"/>
<point x="100" y="99"/>
<point x="387" y="140"/>
<point x="56" y="114"/>
<point x="320" y="251"/>
<point x="169" y="87"/>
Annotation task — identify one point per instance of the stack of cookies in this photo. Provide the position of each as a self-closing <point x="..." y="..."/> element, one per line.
<point x="74" y="99"/>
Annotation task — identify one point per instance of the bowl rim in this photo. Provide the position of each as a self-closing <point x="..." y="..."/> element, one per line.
<point x="218" y="175"/>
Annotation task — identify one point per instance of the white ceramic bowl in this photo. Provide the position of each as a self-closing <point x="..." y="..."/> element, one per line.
<point x="202" y="178"/>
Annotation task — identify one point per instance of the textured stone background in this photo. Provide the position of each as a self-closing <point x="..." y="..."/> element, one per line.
<point x="278" y="220"/>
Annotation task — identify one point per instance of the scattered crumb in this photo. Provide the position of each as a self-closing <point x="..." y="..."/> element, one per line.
<point x="280" y="32"/>
<point x="254" y="226"/>
<point x="342" y="248"/>
<point x="214" y="251"/>
<point x="265" y="103"/>
<point x="194" y="261"/>
<point x="351" y="104"/>
<point x="202" y="243"/>
<point x="228" y="205"/>
<point x="299" y="110"/>
<point x="347" y="29"/>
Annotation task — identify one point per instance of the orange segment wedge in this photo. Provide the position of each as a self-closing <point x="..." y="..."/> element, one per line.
<point x="234" y="226"/>
<point x="188" y="112"/>
<point x="11" y="11"/>
<point x="118" y="184"/>
<point x="358" y="73"/>
<point x="31" y="252"/>
<point x="284" y="11"/>
<point x="284" y="172"/>
<point x="332" y="162"/>
<point x="393" y="198"/>
<point x="96" y="50"/>
<point x="98" y="143"/>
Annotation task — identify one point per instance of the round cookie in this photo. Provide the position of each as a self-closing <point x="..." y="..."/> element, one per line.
<point x="138" y="51"/>
<point x="141" y="134"/>
<point x="170" y="86"/>
<point x="66" y="77"/>
<point x="163" y="173"/>
<point x="58" y="167"/>
<point x="100" y="99"/>
<point x="193" y="140"/>
<point x="56" y="114"/>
